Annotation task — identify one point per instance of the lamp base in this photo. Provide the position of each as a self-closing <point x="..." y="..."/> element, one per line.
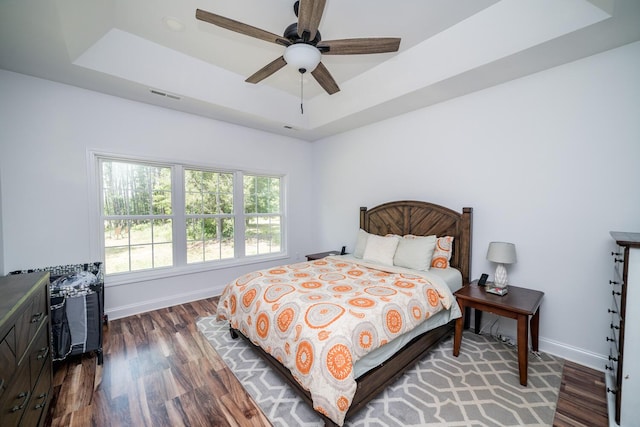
<point x="501" y="276"/>
<point x="496" y="290"/>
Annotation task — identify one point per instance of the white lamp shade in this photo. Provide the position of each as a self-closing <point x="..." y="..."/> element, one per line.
<point x="302" y="56"/>
<point x="502" y="253"/>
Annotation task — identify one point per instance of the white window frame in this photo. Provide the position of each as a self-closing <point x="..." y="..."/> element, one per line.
<point x="179" y="218"/>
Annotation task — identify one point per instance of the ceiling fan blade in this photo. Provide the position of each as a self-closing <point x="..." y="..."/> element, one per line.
<point x="239" y="27"/>
<point x="322" y="76"/>
<point x="309" y="15"/>
<point x="359" y="46"/>
<point x="267" y="70"/>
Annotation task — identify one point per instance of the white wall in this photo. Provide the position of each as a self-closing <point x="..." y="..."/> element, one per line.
<point x="46" y="130"/>
<point x="548" y="162"/>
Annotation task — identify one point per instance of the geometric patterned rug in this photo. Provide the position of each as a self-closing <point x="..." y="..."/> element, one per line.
<point x="480" y="387"/>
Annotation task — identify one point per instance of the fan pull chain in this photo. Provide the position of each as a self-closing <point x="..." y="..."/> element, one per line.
<point x="301" y="94"/>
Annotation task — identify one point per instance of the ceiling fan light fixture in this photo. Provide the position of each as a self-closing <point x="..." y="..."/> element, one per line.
<point x="174" y="24"/>
<point x="303" y="57"/>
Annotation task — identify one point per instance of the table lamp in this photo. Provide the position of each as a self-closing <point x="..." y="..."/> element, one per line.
<point x="501" y="253"/>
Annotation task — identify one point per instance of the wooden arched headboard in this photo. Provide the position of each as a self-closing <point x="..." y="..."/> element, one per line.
<point x="424" y="219"/>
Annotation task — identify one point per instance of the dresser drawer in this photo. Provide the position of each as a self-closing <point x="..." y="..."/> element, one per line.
<point x="30" y="320"/>
<point x="15" y="399"/>
<point x="8" y="360"/>
<point x="39" y="354"/>
<point x="37" y="407"/>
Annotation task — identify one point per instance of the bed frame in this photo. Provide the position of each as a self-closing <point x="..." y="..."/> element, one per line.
<point x="401" y="218"/>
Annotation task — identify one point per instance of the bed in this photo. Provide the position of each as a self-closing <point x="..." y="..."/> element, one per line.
<point x="398" y="343"/>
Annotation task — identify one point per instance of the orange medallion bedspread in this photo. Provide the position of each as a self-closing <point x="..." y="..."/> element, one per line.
<point x="318" y="318"/>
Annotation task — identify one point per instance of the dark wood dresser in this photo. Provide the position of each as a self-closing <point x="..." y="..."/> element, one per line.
<point x="26" y="370"/>
<point x="623" y="371"/>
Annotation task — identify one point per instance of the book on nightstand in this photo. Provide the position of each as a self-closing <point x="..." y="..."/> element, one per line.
<point x="498" y="291"/>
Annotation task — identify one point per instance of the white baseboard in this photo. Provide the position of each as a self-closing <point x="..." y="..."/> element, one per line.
<point x="155" y="304"/>
<point x="546" y="345"/>
<point x="574" y="354"/>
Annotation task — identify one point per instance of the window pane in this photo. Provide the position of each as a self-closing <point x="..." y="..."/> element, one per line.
<point x="116" y="259"/>
<point x="140" y="232"/>
<point x="209" y="182"/>
<point x="115" y="188"/>
<point x="162" y="231"/>
<point x="226" y="203"/>
<point x="116" y="233"/>
<point x="192" y="181"/>
<point x="195" y="228"/>
<point x="141" y="257"/>
<point x="261" y="194"/>
<point x="193" y="203"/>
<point x="163" y="255"/>
<point x="273" y="196"/>
<point x="210" y="203"/>
<point x="195" y="237"/>
<point x="139" y="190"/>
<point x="228" y="232"/>
<point x="161" y="202"/>
<point x="262" y="235"/>
<point x="194" y="251"/>
<point x="250" y="197"/>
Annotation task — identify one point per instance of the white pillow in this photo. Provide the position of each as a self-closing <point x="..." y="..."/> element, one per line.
<point x="361" y="243"/>
<point x="380" y="249"/>
<point x="415" y="252"/>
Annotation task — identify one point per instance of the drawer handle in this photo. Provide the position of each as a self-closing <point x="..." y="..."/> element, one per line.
<point x="615" y="293"/>
<point x="610" y="339"/>
<point x="37" y="317"/>
<point x="43" y="353"/>
<point x="616" y="254"/>
<point x="611" y="311"/>
<point x="618" y="260"/>
<point x="614" y="326"/>
<point x="613" y="282"/>
<point x="615" y="359"/>
<point x="609" y="390"/>
<point x="43" y="403"/>
<point x="608" y="368"/>
<point x="25" y="395"/>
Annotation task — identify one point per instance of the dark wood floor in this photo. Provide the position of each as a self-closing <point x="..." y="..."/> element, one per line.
<point x="582" y="400"/>
<point x="159" y="371"/>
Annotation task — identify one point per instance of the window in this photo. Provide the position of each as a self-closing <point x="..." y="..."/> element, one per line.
<point x="158" y="216"/>
<point x="137" y="216"/>
<point x="263" y="214"/>
<point x="209" y="213"/>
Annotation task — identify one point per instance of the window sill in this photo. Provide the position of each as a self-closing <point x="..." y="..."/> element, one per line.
<point x="119" y="279"/>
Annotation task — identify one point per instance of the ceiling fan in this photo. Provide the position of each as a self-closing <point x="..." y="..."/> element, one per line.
<point x="304" y="45"/>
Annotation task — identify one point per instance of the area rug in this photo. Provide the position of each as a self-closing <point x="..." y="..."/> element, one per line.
<point x="479" y="388"/>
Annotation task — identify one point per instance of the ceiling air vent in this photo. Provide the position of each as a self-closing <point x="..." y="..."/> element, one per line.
<point x="168" y="95"/>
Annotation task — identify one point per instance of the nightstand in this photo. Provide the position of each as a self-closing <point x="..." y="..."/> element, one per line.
<point x="320" y="255"/>
<point x="519" y="304"/>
